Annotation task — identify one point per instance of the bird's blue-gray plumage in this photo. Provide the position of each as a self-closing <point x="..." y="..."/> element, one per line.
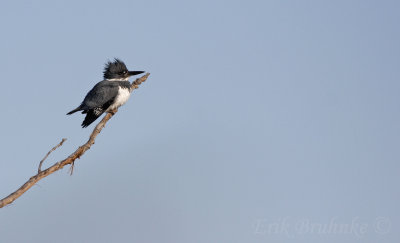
<point x="107" y="94"/>
<point x="102" y="93"/>
<point x="99" y="99"/>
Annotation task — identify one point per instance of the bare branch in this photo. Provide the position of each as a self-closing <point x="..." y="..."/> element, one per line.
<point x="47" y="155"/>
<point x="70" y="159"/>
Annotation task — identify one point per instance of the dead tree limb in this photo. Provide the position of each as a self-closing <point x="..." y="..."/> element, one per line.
<point x="47" y="155"/>
<point x="70" y="159"/>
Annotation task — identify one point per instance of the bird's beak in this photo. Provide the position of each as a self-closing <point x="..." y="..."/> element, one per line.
<point x="131" y="73"/>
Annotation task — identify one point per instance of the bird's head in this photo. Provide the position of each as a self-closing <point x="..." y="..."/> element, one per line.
<point x="117" y="71"/>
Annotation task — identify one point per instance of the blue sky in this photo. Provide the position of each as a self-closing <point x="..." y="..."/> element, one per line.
<point x="262" y="121"/>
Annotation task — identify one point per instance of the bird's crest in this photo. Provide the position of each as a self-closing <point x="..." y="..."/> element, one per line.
<point x="112" y="69"/>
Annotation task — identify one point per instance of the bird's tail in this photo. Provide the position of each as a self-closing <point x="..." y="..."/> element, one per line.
<point x="91" y="116"/>
<point x="74" y="110"/>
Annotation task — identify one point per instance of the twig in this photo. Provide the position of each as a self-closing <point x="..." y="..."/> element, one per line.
<point x="47" y="155"/>
<point x="70" y="159"/>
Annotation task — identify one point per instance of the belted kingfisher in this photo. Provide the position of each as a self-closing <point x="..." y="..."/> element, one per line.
<point x="108" y="94"/>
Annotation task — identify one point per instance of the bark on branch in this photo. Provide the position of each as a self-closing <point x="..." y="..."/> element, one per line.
<point x="70" y="159"/>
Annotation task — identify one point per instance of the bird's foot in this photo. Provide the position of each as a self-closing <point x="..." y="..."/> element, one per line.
<point x="113" y="111"/>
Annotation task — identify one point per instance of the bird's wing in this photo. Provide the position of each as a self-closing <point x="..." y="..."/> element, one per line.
<point x="102" y="93"/>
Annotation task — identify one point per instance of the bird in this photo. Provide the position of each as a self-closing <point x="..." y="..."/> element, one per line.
<point x="109" y="94"/>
